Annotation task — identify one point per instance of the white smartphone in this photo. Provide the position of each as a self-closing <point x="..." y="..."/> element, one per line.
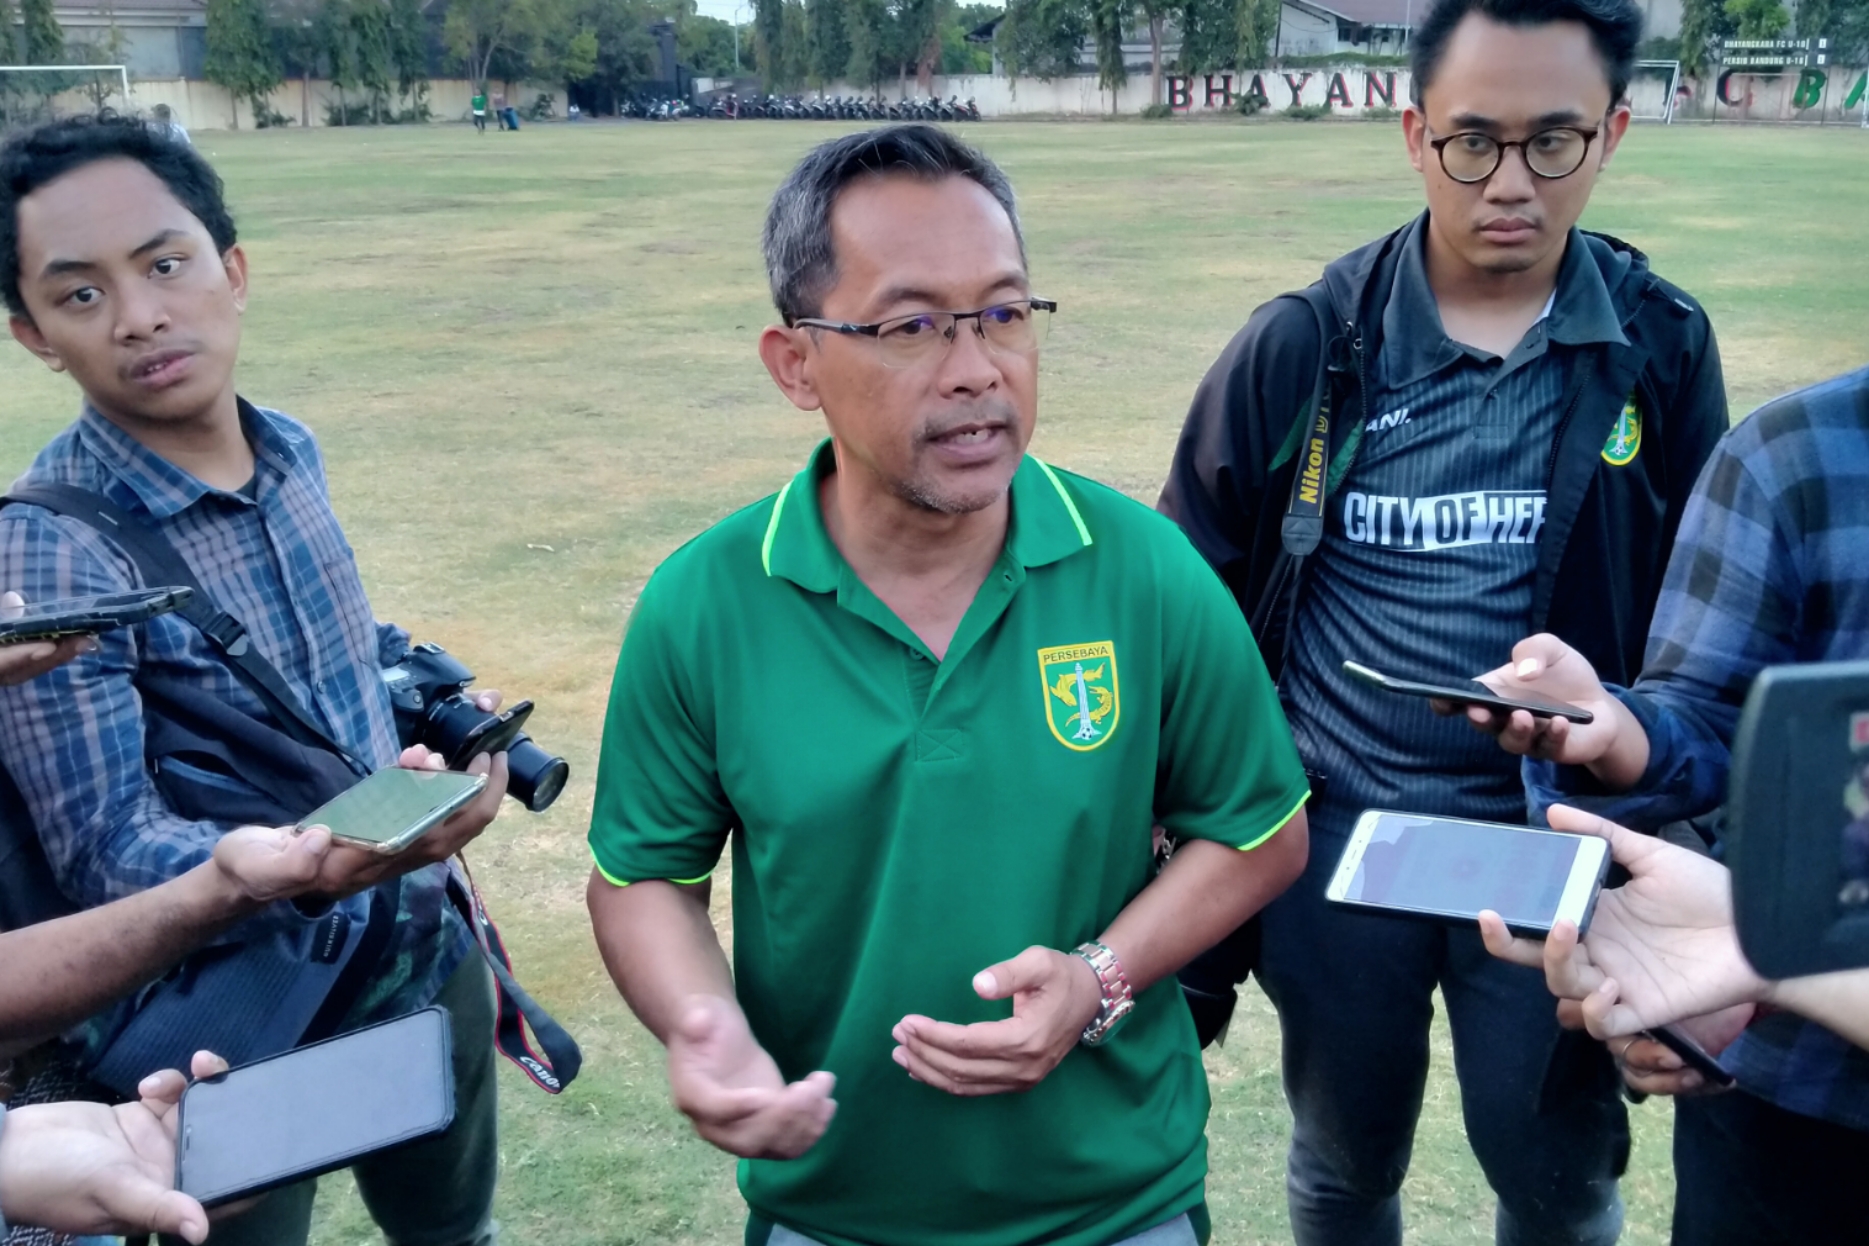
<point x="395" y="807"/>
<point x="1449" y="869"/>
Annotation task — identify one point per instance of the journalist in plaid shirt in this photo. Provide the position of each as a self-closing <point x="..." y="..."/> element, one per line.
<point x="1771" y="566"/>
<point x="273" y="556"/>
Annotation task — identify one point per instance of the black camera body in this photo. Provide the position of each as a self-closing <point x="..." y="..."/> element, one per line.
<point x="428" y="690"/>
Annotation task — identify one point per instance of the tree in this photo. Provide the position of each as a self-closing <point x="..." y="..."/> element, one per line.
<point x="298" y="39"/>
<point x="794" y="46"/>
<point x="104" y="48"/>
<point x="1758" y="19"/>
<point x="705" y="45"/>
<point x="240" y="53"/>
<point x="476" y="32"/>
<point x="1043" y="38"/>
<point x="828" y="55"/>
<point x="1210" y="40"/>
<point x="769" y="39"/>
<point x="44" y="39"/>
<point x="867" y="29"/>
<point x="1107" y="18"/>
<point x="1702" y="21"/>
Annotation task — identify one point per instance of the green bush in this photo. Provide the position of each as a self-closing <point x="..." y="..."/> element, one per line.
<point x="1307" y="112"/>
<point x="265" y="118"/>
<point x="1380" y="113"/>
<point x="1250" y="103"/>
<point x="1157" y="112"/>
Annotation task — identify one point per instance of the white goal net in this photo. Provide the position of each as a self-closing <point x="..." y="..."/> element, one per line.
<point x="1652" y="90"/>
<point x="33" y="93"/>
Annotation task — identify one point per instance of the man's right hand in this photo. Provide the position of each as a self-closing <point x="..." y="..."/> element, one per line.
<point x="1614" y="746"/>
<point x="727" y="1084"/>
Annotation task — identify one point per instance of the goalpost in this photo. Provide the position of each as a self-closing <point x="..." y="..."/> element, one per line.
<point x="71" y="78"/>
<point x="1653" y="89"/>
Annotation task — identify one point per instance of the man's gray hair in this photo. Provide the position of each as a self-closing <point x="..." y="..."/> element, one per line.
<point x="800" y="260"/>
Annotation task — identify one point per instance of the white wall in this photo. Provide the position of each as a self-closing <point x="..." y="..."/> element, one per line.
<point x="203" y="106"/>
<point x="1215" y="93"/>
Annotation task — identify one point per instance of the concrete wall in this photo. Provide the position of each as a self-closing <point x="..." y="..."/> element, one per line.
<point x="203" y="106"/>
<point x="1349" y="91"/>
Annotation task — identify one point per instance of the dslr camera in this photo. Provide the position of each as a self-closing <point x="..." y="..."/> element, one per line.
<point x="428" y="690"/>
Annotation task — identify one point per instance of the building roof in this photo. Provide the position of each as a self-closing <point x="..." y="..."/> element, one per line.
<point x="1374" y="12"/>
<point x="133" y="12"/>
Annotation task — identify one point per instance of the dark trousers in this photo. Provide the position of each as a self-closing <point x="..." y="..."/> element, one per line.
<point x="438" y="1192"/>
<point x="1354" y="997"/>
<point x="1748" y="1173"/>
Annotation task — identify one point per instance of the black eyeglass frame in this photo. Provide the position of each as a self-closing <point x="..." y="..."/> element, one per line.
<point x="1501" y="148"/>
<point x="876" y="329"/>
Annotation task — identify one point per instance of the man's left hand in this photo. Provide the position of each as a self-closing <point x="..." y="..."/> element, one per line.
<point x="1054" y="996"/>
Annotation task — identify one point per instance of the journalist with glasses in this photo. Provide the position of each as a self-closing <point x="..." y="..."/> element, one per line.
<point x="1482" y="425"/>
<point x="937" y="693"/>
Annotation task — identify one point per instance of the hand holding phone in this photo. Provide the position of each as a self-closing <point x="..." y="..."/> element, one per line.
<point x="1470" y="692"/>
<point x="394" y="807"/>
<point x="1451" y="870"/>
<point x="350" y="867"/>
<point x="316" y="1109"/>
<point x="22" y="621"/>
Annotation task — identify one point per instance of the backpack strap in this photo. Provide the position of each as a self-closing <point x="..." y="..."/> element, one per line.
<point x="160" y="566"/>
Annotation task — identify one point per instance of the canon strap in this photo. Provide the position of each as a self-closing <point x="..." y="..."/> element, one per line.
<point x="556" y="1060"/>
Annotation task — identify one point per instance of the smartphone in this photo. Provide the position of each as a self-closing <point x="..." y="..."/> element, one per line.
<point x="1692" y="1054"/>
<point x="395" y="807"/>
<point x="86" y="616"/>
<point x="1449" y="869"/>
<point x="1471" y="692"/>
<point x="320" y="1108"/>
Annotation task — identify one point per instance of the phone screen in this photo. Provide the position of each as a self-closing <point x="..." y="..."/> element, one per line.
<point x="1438" y="865"/>
<point x="317" y="1108"/>
<point x="384" y="806"/>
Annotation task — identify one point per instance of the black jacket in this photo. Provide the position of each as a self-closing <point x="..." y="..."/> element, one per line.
<point x="1608" y="529"/>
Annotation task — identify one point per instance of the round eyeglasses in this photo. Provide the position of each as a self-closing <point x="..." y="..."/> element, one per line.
<point x="1015" y="328"/>
<point x="1472" y="157"/>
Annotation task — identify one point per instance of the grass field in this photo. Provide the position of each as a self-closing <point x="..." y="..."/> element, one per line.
<point x="530" y="360"/>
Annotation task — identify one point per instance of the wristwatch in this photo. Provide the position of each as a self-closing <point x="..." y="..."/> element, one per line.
<point x="1118" y="1001"/>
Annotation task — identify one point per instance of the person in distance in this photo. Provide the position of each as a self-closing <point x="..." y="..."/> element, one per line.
<point x="1513" y="411"/>
<point x="977" y="685"/>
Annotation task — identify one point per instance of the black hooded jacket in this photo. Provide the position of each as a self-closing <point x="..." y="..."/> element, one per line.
<point x="1608" y="529"/>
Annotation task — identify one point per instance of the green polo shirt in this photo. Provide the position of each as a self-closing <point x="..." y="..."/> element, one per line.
<point x="898" y="824"/>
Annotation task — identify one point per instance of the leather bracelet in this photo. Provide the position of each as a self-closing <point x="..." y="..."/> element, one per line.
<point x="1118" y="1000"/>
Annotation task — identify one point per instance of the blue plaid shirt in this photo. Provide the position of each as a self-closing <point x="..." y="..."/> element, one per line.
<point x="274" y="557"/>
<point x="1772" y="566"/>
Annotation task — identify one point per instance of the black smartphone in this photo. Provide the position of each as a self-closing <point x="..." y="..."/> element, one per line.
<point x="316" y="1109"/>
<point x="1470" y="692"/>
<point x="85" y="616"/>
<point x="1692" y="1054"/>
<point x="1449" y="870"/>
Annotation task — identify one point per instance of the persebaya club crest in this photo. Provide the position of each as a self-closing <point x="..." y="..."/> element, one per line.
<point x="1082" y="699"/>
<point x="1625" y="438"/>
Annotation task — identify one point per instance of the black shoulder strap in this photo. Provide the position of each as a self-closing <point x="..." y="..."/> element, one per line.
<point x="161" y="567"/>
<point x="1303" y="525"/>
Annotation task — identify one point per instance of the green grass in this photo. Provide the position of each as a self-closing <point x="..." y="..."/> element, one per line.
<point x="530" y="360"/>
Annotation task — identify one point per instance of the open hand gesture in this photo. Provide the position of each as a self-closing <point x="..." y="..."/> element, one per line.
<point x="1054" y="996"/>
<point x="727" y="1084"/>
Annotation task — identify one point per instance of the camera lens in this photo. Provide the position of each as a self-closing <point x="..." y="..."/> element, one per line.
<point x="534" y="776"/>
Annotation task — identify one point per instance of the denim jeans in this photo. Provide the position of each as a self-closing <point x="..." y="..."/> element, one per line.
<point x="1750" y="1173"/>
<point x="1177" y="1232"/>
<point x="1354" y="993"/>
<point x="438" y="1192"/>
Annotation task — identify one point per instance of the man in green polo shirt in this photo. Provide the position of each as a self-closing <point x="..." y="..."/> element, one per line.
<point x="938" y="694"/>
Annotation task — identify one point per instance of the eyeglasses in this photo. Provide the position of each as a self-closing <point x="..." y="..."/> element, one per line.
<point x="1470" y="157"/>
<point x="1015" y="328"/>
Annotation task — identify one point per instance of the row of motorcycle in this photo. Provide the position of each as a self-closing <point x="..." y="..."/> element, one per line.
<point x="798" y="108"/>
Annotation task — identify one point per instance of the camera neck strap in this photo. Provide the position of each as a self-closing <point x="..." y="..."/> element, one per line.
<point x="161" y="567"/>
<point x="550" y="1057"/>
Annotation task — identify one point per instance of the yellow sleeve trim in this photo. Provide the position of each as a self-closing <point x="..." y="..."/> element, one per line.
<point x="1276" y="827"/>
<point x="614" y="881"/>
<point x="765" y="546"/>
<point x="1083" y="530"/>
